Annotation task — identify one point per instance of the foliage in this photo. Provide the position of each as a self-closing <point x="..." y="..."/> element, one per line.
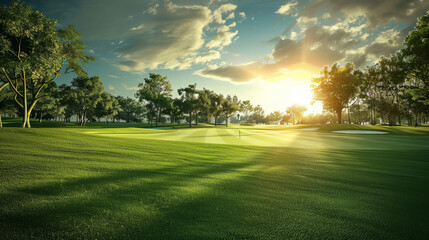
<point x="34" y="52"/>
<point x="155" y="94"/>
<point x="335" y="87"/>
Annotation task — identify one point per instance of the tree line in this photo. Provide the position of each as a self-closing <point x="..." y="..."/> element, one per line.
<point x="394" y="89"/>
<point x="35" y="53"/>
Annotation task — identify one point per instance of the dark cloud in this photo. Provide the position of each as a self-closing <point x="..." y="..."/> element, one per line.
<point x="377" y="12"/>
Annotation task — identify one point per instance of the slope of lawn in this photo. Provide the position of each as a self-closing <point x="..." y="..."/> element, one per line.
<point x="58" y="183"/>
<point x="321" y="137"/>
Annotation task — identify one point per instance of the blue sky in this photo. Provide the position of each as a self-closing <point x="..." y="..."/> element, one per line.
<point x="264" y="51"/>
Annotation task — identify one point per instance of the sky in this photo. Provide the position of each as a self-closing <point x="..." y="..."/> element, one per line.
<point x="263" y="51"/>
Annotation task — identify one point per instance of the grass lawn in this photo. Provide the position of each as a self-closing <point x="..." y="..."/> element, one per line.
<point x="206" y="183"/>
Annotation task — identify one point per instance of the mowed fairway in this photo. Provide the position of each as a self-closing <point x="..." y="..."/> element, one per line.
<point x="206" y="183"/>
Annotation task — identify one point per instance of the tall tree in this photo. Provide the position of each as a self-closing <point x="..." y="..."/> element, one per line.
<point x="156" y="92"/>
<point x="84" y="94"/>
<point x="230" y="107"/>
<point x="204" y="103"/>
<point x="128" y="108"/>
<point x="296" y="111"/>
<point x="216" y="104"/>
<point x="417" y="53"/>
<point x="107" y="107"/>
<point x="335" y="88"/>
<point x="189" y="97"/>
<point x="258" y="115"/>
<point x="34" y="52"/>
<point x="275" y="117"/>
<point x="246" y="108"/>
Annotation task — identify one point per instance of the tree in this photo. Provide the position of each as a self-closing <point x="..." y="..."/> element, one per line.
<point x="286" y="118"/>
<point x="246" y="108"/>
<point x="393" y="75"/>
<point x="230" y="107"/>
<point x="189" y="99"/>
<point x="296" y="111"/>
<point x="174" y="109"/>
<point x="128" y="108"/>
<point x="216" y="104"/>
<point x="275" y="117"/>
<point x="84" y="94"/>
<point x="258" y="115"/>
<point x="107" y="107"/>
<point x="7" y="104"/>
<point x="417" y="53"/>
<point x="34" y="52"/>
<point x="155" y="93"/>
<point x="204" y="103"/>
<point x="335" y="87"/>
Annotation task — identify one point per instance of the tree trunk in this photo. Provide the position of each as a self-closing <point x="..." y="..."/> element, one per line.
<point x="399" y="108"/>
<point x="40" y="117"/>
<point x="216" y="120"/>
<point x="156" y="120"/>
<point x="196" y="118"/>
<point x="348" y="114"/>
<point x="25" y="117"/>
<point x="359" y="113"/>
<point x="339" y="112"/>
<point x="190" y="119"/>
<point x="207" y="118"/>
<point x="1" y="123"/>
<point x="226" y="120"/>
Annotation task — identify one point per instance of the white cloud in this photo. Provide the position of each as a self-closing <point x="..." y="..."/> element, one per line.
<point x="110" y="87"/>
<point x="225" y="8"/>
<point x="139" y="27"/>
<point x="223" y="38"/>
<point x="204" y="58"/>
<point x="326" y="15"/>
<point x="377" y="13"/>
<point x="175" y="32"/>
<point x="242" y="15"/>
<point x="113" y="76"/>
<point x="129" y="88"/>
<point x="287" y="9"/>
<point x="173" y="35"/>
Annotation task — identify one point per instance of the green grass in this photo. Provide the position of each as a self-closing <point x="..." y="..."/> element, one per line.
<point x="129" y="183"/>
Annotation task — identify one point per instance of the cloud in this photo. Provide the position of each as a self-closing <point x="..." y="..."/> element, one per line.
<point x="129" y="88"/>
<point x="223" y="38"/>
<point x="91" y="51"/>
<point x="326" y="15"/>
<point x="154" y="34"/>
<point x="174" y="35"/>
<point x="249" y="72"/>
<point x="224" y="8"/>
<point x="301" y="56"/>
<point x="377" y="12"/>
<point x="110" y="87"/>
<point x="113" y="76"/>
<point x="238" y="73"/>
<point x="242" y="15"/>
<point x="386" y="43"/>
<point x="139" y="27"/>
<point x="204" y="58"/>
<point x="287" y="9"/>
<point x="175" y="32"/>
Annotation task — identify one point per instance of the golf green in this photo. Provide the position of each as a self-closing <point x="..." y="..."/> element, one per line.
<point x="207" y="183"/>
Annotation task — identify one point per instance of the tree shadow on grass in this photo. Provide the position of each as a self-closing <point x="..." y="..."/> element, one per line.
<point x="281" y="193"/>
<point x="83" y="199"/>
